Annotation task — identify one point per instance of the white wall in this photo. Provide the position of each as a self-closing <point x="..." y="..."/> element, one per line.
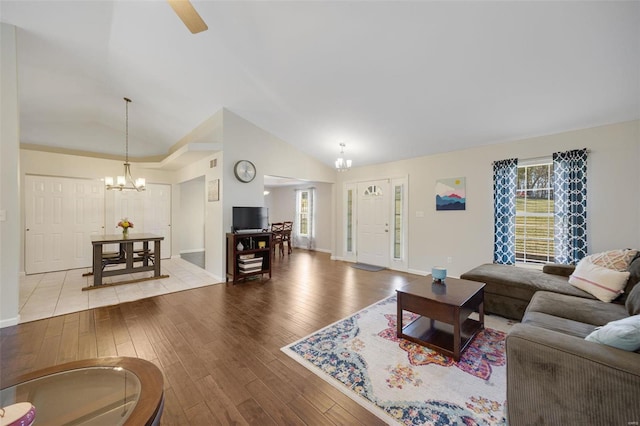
<point x="243" y="140"/>
<point x="9" y="173"/>
<point x="281" y="202"/>
<point x="467" y="236"/>
<point x="192" y="205"/>
<point x="214" y="234"/>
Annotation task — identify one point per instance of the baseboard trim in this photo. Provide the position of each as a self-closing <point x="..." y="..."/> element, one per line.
<point x="191" y="251"/>
<point x="10" y="322"/>
<point x="323" y="250"/>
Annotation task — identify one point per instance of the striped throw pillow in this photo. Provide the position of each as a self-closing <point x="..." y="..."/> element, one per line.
<point x="603" y="283"/>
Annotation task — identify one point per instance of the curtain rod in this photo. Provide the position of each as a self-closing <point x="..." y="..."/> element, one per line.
<point x="541" y="158"/>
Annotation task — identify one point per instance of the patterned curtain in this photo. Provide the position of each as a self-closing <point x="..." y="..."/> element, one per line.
<point x="505" y="176"/>
<point x="570" y="203"/>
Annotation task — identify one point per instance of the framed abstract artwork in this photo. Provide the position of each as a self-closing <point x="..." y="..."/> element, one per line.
<point x="451" y="194"/>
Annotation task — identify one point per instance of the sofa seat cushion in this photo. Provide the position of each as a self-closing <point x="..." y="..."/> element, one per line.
<point x="586" y="311"/>
<point x="520" y="283"/>
<point x="561" y="325"/>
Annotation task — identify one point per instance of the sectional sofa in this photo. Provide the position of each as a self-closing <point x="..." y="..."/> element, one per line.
<point x="573" y="359"/>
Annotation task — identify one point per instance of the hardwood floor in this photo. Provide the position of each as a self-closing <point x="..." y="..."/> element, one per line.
<point x="219" y="346"/>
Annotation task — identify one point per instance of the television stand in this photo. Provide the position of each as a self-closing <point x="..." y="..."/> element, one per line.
<point x="254" y="258"/>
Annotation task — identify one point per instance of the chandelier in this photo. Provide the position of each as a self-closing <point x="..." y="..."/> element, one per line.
<point x="125" y="182"/>
<point x="342" y="165"/>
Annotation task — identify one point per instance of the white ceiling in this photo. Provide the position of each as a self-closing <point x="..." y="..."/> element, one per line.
<point x="391" y="79"/>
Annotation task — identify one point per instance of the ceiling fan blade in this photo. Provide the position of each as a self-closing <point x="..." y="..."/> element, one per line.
<point x="185" y="11"/>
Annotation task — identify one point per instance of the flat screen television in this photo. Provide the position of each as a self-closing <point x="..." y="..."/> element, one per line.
<point x="250" y="219"/>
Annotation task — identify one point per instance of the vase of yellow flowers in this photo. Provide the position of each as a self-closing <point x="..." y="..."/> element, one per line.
<point x="125" y="224"/>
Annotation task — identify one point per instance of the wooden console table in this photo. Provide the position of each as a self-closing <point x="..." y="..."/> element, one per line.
<point x="126" y="256"/>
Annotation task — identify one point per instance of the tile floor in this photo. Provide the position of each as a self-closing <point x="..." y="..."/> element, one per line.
<point x="57" y="293"/>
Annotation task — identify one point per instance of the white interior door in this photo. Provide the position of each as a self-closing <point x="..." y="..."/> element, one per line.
<point x="60" y="216"/>
<point x="373" y="223"/>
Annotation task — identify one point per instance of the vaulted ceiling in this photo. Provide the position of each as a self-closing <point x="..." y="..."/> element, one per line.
<point x="391" y="79"/>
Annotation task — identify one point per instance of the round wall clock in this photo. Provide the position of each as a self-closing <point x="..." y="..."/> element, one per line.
<point x="245" y="171"/>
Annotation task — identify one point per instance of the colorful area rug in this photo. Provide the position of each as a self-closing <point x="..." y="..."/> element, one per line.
<point x="402" y="382"/>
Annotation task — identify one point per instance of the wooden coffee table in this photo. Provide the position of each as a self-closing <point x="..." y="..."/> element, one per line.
<point x="444" y="324"/>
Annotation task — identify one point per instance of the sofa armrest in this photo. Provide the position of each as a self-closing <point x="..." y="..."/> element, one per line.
<point x="554" y="378"/>
<point x="558" y="269"/>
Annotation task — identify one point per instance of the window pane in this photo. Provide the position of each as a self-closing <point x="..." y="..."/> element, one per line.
<point x="397" y="252"/>
<point x="534" y="214"/>
<point x="538" y="177"/>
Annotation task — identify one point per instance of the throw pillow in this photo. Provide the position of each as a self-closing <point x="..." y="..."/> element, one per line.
<point x="633" y="301"/>
<point x="618" y="260"/>
<point x="603" y="283"/>
<point x="622" y="334"/>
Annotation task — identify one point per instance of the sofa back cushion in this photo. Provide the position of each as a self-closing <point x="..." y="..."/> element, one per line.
<point x="634" y="276"/>
<point x="633" y="301"/>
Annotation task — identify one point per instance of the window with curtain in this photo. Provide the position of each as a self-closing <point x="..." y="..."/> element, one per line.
<point x="540" y="209"/>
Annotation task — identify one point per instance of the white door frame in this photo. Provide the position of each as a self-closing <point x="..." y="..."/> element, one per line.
<point x="397" y="261"/>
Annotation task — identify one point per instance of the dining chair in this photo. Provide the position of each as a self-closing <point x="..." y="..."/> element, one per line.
<point x="286" y="235"/>
<point x="278" y="230"/>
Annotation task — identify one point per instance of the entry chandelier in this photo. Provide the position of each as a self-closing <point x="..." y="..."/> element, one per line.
<point x="342" y="165"/>
<point x="125" y="182"/>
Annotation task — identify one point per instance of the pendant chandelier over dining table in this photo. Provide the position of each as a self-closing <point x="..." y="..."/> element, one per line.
<point x="125" y="182"/>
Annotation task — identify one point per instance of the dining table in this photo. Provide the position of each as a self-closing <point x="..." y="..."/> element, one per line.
<point x="126" y="255"/>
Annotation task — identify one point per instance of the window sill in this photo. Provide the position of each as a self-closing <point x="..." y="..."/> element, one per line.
<point x="536" y="266"/>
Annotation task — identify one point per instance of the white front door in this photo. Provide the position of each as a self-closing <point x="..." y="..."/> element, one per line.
<point x="373" y="223"/>
<point x="60" y="216"/>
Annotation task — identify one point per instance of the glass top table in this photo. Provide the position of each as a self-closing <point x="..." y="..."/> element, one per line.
<point x="103" y="391"/>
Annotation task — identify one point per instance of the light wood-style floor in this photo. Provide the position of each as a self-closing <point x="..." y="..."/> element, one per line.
<point x="219" y="346"/>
